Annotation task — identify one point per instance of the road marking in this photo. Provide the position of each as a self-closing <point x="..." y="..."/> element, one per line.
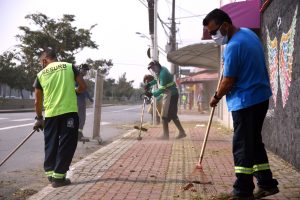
<point x="10" y="127"/>
<point x="20" y="120"/>
<point x="115" y="111"/>
<point x="3" y="118"/>
<point x="125" y="109"/>
<point x="22" y="125"/>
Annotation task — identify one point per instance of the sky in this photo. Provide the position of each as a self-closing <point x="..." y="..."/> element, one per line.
<point x="117" y="23"/>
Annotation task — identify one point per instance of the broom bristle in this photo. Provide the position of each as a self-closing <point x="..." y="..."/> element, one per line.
<point x="138" y="128"/>
<point x="199" y="166"/>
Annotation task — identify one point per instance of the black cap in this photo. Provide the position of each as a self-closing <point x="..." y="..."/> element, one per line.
<point x="84" y="66"/>
<point x="153" y="63"/>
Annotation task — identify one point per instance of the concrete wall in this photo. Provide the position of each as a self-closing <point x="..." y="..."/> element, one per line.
<point x="281" y="131"/>
<point x="224" y="117"/>
<point x="7" y="104"/>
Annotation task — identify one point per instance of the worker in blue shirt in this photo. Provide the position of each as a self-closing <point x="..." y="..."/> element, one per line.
<point x="245" y="83"/>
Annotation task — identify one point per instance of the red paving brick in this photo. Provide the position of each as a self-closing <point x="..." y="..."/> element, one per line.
<point x="157" y="169"/>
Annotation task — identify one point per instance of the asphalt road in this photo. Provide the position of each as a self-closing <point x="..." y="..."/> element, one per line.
<point x="24" y="170"/>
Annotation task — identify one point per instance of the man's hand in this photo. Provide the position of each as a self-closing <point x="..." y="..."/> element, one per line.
<point x="214" y="100"/>
<point x="39" y="124"/>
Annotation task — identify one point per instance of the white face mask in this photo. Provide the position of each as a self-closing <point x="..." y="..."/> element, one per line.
<point x="219" y="38"/>
<point x="155" y="69"/>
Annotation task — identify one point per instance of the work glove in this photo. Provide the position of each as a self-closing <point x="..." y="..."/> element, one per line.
<point x="39" y="124"/>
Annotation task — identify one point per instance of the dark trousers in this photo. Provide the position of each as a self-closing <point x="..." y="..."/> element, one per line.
<point x="249" y="150"/>
<point x="172" y="108"/>
<point x="60" y="135"/>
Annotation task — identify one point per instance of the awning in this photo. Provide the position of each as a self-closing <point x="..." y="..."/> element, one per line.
<point x="200" y="78"/>
<point x="203" y="54"/>
<point x="244" y="13"/>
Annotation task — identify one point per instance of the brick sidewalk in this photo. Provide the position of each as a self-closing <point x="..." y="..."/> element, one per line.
<point x="158" y="169"/>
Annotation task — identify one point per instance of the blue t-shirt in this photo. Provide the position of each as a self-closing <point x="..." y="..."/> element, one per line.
<point x="244" y="60"/>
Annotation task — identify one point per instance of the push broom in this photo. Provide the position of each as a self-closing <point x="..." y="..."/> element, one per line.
<point x="199" y="167"/>
<point x="9" y="155"/>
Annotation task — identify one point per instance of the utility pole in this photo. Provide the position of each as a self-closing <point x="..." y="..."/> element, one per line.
<point x="152" y="7"/>
<point x="174" y="68"/>
<point x="98" y="93"/>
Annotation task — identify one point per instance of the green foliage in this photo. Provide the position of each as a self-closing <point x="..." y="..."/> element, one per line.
<point x="19" y="69"/>
<point x="102" y="65"/>
<point x="124" y="87"/>
<point x="109" y="87"/>
<point x="60" y="35"/>
<point x="6" y="67"/>
<point x="116" y="91"/>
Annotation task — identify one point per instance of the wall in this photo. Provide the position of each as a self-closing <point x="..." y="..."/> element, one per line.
<point x="8" y="104"/>
<point x="280" y="31"/>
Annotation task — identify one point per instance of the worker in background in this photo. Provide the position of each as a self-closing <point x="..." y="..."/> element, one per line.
<point x="184" y="101"/>
<point x="170" y="98"/>
<point x="81" y="102"/>
<point x="54" y="88"/>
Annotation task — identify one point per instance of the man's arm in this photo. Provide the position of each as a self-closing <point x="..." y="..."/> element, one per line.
<point x="38" y="102"/>
<point x="81" y="84"/>
<point x="89" y="96"/>
<point x="225" y="86"/>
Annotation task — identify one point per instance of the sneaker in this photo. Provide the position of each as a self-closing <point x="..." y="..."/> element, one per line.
<point x="59" y="183"/>
<point x="261" y="192"/>
<point x="241" y="198"/>
<point x="181" y="135"/>
<point x="232" y="196"/>
<point x="50" y="179"/>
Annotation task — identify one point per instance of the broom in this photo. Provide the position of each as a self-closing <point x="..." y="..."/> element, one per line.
<point x="199" y="168"/>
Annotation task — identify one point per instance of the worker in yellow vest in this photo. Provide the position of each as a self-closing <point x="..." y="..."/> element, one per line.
<point x="54" y="88"/>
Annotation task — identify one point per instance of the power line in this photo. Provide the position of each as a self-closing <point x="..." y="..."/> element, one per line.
<point x="143" y="3"/>
<point x="129" y="64"/>
<point x="191" y="16"/>
<point x="163" y="24"/>
<point x="187" y="11"/>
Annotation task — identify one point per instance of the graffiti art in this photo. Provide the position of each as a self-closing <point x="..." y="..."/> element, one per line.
<point x="281" y="62"/>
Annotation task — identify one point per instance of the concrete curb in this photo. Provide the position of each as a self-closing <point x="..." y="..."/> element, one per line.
<point x="32" y="109"/>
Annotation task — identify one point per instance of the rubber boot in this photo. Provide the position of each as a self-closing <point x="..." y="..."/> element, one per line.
<point x="165" y="129"/>
<point x="179" y="127"/>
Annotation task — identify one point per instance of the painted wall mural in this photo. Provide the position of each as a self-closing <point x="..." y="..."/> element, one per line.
<point x="281" y="62"/>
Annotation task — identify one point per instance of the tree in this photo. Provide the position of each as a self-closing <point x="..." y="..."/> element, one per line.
<point x="6" y="62"/>
<point x="7" y="66"/>
<point x="109" y="87"/>
<point x="19" y="69"/>
<point x="102" y="65"/>
<point x="59" y="34"/>
<point x="124" y="88"/>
